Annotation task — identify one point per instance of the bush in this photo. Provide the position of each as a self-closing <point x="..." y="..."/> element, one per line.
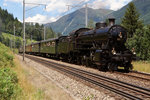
<point x="8" y="84"/>
<point x="9" y="88"/>
<point x="6" y="58"/>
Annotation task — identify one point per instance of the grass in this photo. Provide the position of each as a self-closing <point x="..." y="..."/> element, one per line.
<point x="90" y="97"/>
<point x="29" y="92"/>
<point x="142" y="66"/>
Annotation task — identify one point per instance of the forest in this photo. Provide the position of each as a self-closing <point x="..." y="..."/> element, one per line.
<point x="34" y="31"/>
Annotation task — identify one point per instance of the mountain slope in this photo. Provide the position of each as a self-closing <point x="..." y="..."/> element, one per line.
<point x="78" y="19"/>
<point x="142" y="6"/>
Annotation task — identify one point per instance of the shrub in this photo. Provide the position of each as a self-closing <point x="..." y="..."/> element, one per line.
<point x="6" y="58"/>
<point x="9" y="88"/>
<point x="8" y="84"/>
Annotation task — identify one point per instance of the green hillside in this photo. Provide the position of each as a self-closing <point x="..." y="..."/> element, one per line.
<point x="8" y="40"/>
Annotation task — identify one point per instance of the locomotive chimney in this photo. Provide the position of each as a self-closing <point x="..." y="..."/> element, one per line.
<point x="111" y="21"/>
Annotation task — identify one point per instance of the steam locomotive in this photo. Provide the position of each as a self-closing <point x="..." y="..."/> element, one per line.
<point x="102" y="47"/>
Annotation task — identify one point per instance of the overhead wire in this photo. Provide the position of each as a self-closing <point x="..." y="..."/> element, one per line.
<point x="75" y="7"/>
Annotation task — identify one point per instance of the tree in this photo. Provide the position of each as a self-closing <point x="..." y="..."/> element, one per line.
<point x="91" y="24"/>
<point x="131" y="20"/>
<point x="50" y="33"/>
<point x="141" y="42"/>
<point x="107" y="22"/>
<point x="0" y="26"/>
<point x="18" y="43"/>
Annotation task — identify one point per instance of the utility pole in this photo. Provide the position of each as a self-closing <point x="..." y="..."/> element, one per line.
<point x="86" y="15"/>
<point x="14" y="36"/>
<point x="23" y="29"/>
<point x="44" y="32"/>
<point x="11" y="43"/>
<point x="68" y="7"/>
<point x="31" y="38"/>
<point x="24" y="41"/>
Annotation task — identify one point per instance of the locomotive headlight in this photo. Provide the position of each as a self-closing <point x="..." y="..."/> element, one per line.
<point x="113" y="51"/>
<point x="133" y="51"/>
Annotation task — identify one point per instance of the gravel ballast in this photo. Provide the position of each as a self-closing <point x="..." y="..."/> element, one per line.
<point x="108" y="74"/>
<point x="75" y="89"/>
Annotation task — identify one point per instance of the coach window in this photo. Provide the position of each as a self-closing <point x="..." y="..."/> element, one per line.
<point x="53" y="43"/>
<point x="48" y="44"/>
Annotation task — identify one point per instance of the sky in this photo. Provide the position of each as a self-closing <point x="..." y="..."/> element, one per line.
<point x="54" y="9"/>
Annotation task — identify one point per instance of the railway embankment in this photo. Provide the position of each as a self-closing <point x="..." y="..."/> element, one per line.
<point x="79" y="87"/>
<point x="49" y="90"/>
<point x="75" y="89"/>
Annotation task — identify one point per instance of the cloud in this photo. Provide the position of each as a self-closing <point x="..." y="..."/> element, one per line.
<point x="109" y="4"/>
<point x="60" y="5"/>
<point x="5" y="4"/>
<point x="52" y="5"/>
<point x="99" y="4"/>
<point x="40" y="19"/>
<point x="14" y="0"/>
<point x="55" y="5"/>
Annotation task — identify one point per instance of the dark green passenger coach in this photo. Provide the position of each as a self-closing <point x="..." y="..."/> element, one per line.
<point x="48" y="46"/>
<point x="35" y="47"/>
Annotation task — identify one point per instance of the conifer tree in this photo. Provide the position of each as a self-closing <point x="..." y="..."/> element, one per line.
<point x="91" y="24"/>
<point x="131" y="20"/>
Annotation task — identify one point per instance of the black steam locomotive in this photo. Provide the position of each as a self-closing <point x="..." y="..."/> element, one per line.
<point x="102" y="47"/>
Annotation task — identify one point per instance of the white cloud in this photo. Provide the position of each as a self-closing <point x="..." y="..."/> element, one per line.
<point x="60" y="5"/>
<point x="52" y="5"/>
<point x="29" y="1"/>
<point x="99" y="4"/>
<point x="110" y="4"/>
<point x="52" y="19"/>
<point x="14" y="0"/>
<point x="55" y="5"/>
<point x="4" y="4"/>
<point x="40" y="19"/>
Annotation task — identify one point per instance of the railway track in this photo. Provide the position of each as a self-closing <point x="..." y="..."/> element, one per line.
<point x="141" y="73"/>
<point x="136" y="75"/>
<point x="126" y="90"/>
